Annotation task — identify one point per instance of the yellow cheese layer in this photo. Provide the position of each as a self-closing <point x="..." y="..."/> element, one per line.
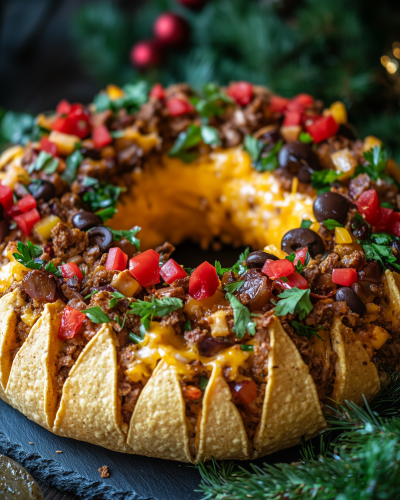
<point x="218" y="196"/>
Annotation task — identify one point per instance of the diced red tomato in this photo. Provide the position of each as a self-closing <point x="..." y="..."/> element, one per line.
<point x="278" y="268"/>
<point x="291" y="119"/>
<point x="62" y="124"/>
<point x="6" y="196"/>
<point x="101" y="136"/>
<point x="48" y="146"/>
<point x="382" y="219"/>
<point x="116" y="260"/>
<point x="71" y="270"/>
<point x="344" y="277"/>
<point x="245" y="391"/>
<point x="26" y="203"/>
<point x="393" y="226"/>
<point x="27" y="220"/>
<point x="157" y="91"/>
<point x="192" y="392"/>
<point x="368" y="206"/>
<point x="295" y="106"/>
<point x="301" y="256"/>
<point x="323" y="128"/>
<point x="177" y="106"/>
<point x="293" y="280"/>
<point x="71" y="321"/>
<point x="203" y="282"/>
<point x="145" y="267"/>
<point x="241" y="92"/>
<point x="63" y="107"/>
<point x="278" y="104"/>
<point x="171" y="271"/>
<point x="304" y="100"/>
<point x="13" y="211"/>
<point x="75" y="123"/>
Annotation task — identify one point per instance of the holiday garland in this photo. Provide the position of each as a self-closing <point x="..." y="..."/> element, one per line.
<point x="358" y="457"/>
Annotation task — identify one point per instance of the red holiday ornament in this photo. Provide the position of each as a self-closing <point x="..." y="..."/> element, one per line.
<point x="171" y="29"/>
<point x="146" y="54"/>
<point x="192" y="4"/>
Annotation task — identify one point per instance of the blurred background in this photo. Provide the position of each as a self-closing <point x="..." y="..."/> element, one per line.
<point x="334" y="49"/>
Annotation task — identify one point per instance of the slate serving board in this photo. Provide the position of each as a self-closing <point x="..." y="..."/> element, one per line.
<point x="75" y="470"/>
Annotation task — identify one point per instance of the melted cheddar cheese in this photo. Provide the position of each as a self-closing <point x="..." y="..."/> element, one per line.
<point x="218" y="195"/>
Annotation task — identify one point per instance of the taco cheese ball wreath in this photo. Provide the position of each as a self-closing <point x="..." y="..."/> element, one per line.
<point x="107" y="339"/>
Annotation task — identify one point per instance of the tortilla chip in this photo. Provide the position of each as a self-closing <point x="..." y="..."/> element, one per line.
<point x="31" y="386"/>
<point x="90" y="408"/>
<point x="158" y="426"/>
<point x="8" y="337"/>
<point x="391" y="302"/>
<point x="291" y="406"/>
<point x="222" y="433"/>
<point x="355" y="373"/>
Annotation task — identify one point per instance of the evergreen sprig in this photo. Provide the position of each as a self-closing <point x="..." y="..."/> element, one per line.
<point x="358" y="458"/>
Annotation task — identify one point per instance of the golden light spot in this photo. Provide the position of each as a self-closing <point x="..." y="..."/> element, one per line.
<point x="396" y="52"/>
<point x="385" y="60"/>
<point x="392" y="67"/>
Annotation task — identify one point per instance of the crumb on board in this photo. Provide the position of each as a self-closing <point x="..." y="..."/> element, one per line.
<point x="104" y="472"/>
<point x="58" y="451"/>
<point x="30" y="442"/>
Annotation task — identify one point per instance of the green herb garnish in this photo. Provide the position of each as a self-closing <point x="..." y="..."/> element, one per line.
<point x="246" y="347"/>
<point x="101" y="194"/>
<point x="29" y="255"/>
<point x="211" y="102"/>
<point x="128" y="235"/>
<point x="233" y="287"/>
<point x="254" y="147"/>
<point x="46" y="162"/>
<point x="203" y="382"/>
<point x="187" y="326"/>
<point x="321" y="180"/>
<point x="96" y="315"/>
<point x="190" y="138"/>
<point x="90" y="294"/>
<point x="136" y="94"/>
<point x="331" y="224"/>
<point x="375" y="167"/>
<point x="305" y="137"/>
<point x="157" y="307"/>
<point x="306" y="331"/>
<point x="378" y="247"/>
<point x="305" y="223"/>
<point x="73" y="161"/>
<point x="242" y="318"/>
<point x="115" y="297"/>
<point x="51" y="268"/>
<point x="294" y="301"/>
<point x="299" y="266"/>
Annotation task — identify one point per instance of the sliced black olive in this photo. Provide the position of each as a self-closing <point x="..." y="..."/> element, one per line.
<point x="271" y="137"/>
<point x="301" y="237"/>
<point x="257" y="259"/>
<point x="40" y="286"/>
<point x="210" y="346"/>
<point x="298" y="159"/>
<point x="86" y="220"/>
<point x="43" y="190"/>
<point x="102" y="237"/>
<point x="352" y="300"/>
<point x="331" y="206"/>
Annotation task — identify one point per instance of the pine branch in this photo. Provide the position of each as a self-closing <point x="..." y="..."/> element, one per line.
<point x="359" y="458"/>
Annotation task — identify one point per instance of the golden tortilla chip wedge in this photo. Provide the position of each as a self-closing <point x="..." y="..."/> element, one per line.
<point x="30" y="388"/>
<point x="8" y="337"/>
<point x="355" y="373"/>
<point x="158" y="426"/>
<point x="90" y="407"/>
<point x="291" y="406"/>
<point x="391" y="302"/>
<point x="222" y="433"/>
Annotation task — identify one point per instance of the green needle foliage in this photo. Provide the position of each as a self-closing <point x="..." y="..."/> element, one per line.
<point x="358" y="458"/>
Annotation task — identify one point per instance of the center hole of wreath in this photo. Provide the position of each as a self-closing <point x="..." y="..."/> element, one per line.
<point x="190" y="254"/>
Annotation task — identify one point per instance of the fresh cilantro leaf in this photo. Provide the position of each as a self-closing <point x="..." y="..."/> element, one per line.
<point x="157" y="307"/>
<point x="269" y="162"/>
<point x="248" y="348"/>
<point x="90" y="181"/>
<point x="73" y="161"/>
<point x="376" y="163"/>
<point x="189" y="270"/>
<point x="210" y="135"/>
<point x="387" y="204"/>
<point x="221" y="270"/>
<point x="92" y="293"/>
<point x="51" y="268"/>
<point x="331" y="224"/>
<point x="106" y="213"/>
<point x="305" y="137"/>
<point x="187" y="326"/>
<point x="129" y="235"/>
<point x="293" y="301"/>
<point x="306" y="331"/>
<point x="101" y="194"/>
<point x="358" y="219"/>
<point x="135" y="94"/>
<point x="46" y="162"/>
<point x="28" y="255"/>
<point x="233" y="287"/>
<point x="240" y="266"/>
<point x="211" y="104"/>
<point x="305" y="223"/>
<point x="299" y="267"/>
<point x="242" y="318"/>
<point x="97" y="315"/>
<point x="186" y="140"/>
<point x="378" y="247"/>
<point x="102" y="101"/>
<point x="116" y="296"/>
<point x="321" y="180"/>
<point x="117" y="134"/>
<point x="291" y="257"/>
<point x="253" y="146"/>
<point x="203" y="382"/>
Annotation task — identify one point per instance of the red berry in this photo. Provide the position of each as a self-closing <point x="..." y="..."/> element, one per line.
<point x="171" y="29"/>
<point x="146" y="54"/>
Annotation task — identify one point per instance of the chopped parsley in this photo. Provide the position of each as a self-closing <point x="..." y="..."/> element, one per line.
<point x="128" y="235"/>
<point x="211" y="103"/>
<point x="239" y="268"/>
<point x="376" y="160"/>
<point x="306" y="331"/>
<point x="294" y="301"/>
<point x="305" y="223"/>
<point x="157" y="307"/>
<point x="331" y="224"/>
<point x="115" y="297"/>
<point x="101" y="195"/>
<point x="46" y="162"/>
<point x="29" y="255"/>
<point x="299" y="266"/>
<point x="51" y="268"/>
<point x="378" y="247"/>
<point x="187" y="326"/>
<point x="190" y="138"/>
<point x="73" y="161"/>
<point x="90" y="294"/>
<point x="242" y="318"/>
<point x="305" y="137"/>
<point x="135" y="94"/>
<point x="246" y="347"/>
<point x="96" y="315"/>
<point x="358" y="219"/>
<point x="233" y="287"/>
<point x="254" y="147"/>
<point x="203" y="382"/>
<point x="321" y="180"/>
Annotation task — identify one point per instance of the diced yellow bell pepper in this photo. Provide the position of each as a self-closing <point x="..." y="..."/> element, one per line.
<point x="66" y="143"/>
<point x="45" y="121"/>
<point x="275" y="251"/>
<point x="15" y="174"/>
<point x="146" y="142"/>
<point x="370" y="142"/>
<point x="342" y="236"/>
<point x="338" y="111"/>
<point x="126" y="284"/>
<point x="393" y="169"/>
<point x="291" y="133"/>
<point x="114" y="92"/>
<point x="9" y="154"/>
<point x="45" y="225"/>
<point x="315" y="227"/>
<point x="344" y="162"/>
<point x="380" y="336"/>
